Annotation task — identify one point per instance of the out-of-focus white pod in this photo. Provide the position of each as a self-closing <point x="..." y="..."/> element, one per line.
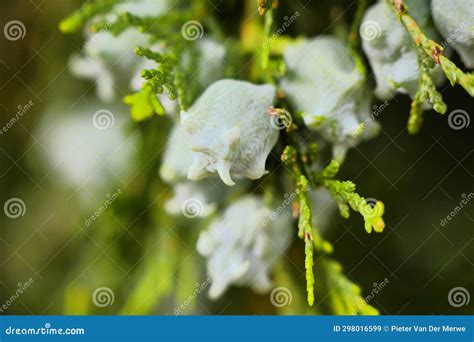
<point x="324" y="83"/>
<point x="455" y="20"/>
<point x="242" y="245"/>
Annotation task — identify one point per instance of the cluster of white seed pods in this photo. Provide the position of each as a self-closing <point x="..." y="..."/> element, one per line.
<point x="228" y="132"/>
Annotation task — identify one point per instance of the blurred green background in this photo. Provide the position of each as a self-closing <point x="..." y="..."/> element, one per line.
<point x="138" y="248"/>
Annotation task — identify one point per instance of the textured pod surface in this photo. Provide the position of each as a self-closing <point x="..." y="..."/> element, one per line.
<point x="230" y="130"/>
<point x="242" y="245"/>
<point x="325" y="85"/>
<point x="455" y="20"/>
<point x="390" y="49"/>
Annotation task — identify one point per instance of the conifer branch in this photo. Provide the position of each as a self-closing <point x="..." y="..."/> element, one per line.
<point x="345" y="195"/>
<point x="429" y="55"/>
<point x="313" y="241"/>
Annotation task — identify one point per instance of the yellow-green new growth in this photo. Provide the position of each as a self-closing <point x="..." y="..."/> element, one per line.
<point x="145" y="102"/>
<point x="426" y="92"/>
<point x="345" y="195"/>
<point x="77" y="20"/>
<point x="304" y="225"/>
<point x="312" y="240"/>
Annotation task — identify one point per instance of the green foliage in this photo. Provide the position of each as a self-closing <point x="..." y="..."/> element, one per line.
<point x="163" y="76"/>
<point x="77" y="20"/>
<point x="145" y="103"/>
<point x="345" y="195"/>
<point x="164" y="27"/>
<point x="426" y="92"/>
<point x="429" y="54"/>
<point x="286" y="278"/>
<point x="457" y="76"/>
<point x="304" y="226"/>
<point x="267" y="31"/>
<point x="311" y="237"/>
<point x="289" y="157"/>
<point x="168" y="75"/>
<point x="341" y="296"/>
